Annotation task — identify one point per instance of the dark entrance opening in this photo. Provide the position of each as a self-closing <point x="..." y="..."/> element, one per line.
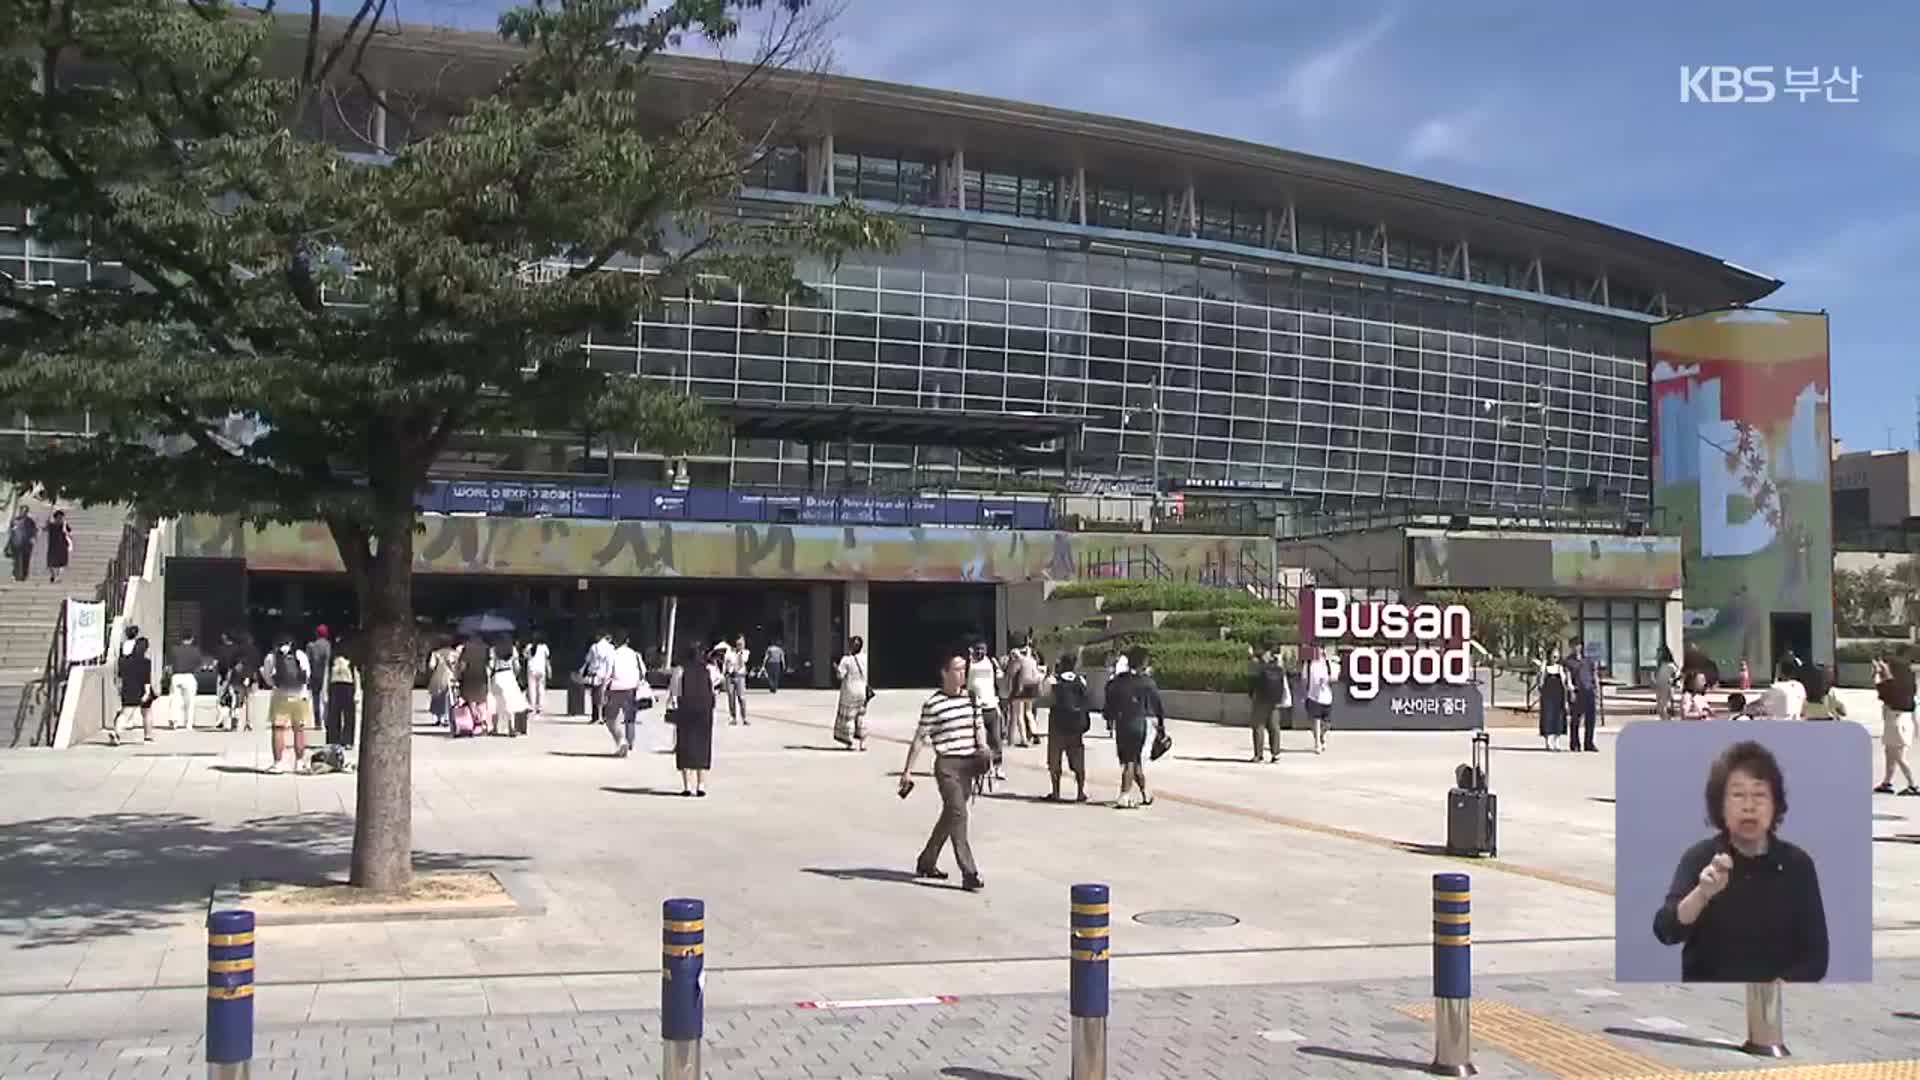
<point x="911" y="624"/>
<point x="1792" y="633"/>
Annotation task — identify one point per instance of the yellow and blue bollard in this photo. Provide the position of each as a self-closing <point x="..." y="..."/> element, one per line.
<point x="1452" y="976"/>
<point x="1092" y="917"/>
<point x="683" y="961"/>
<point x="229" y="995"/>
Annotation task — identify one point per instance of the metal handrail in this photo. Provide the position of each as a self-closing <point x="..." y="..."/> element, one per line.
<point x="47" y="692"/>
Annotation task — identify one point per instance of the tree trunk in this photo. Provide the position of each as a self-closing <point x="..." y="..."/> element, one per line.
<point x="383" y="823"/>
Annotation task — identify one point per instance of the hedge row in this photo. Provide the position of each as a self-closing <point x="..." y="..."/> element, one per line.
<point x="1860" y="652"/>
<point x="1158" y="595"/>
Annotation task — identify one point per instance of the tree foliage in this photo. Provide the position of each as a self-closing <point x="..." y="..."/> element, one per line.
<point x="1865" y="598"/>
<point x="1509" y="624"/>
<point x="284" y="330"/>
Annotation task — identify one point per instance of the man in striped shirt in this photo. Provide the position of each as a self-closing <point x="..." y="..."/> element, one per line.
<point x="950" y="722"/>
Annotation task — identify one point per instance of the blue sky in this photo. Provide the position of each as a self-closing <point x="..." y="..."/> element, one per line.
<point x="1574" y="106"/>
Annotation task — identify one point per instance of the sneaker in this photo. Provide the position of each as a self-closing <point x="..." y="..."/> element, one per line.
<point x="275" y="769"/>
<point x="113" y="738"/>
<point x="972" y="882"/>
<point x="622" y="750"/>
<point x="932" y="873"/>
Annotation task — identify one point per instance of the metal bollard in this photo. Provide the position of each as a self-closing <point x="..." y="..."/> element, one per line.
<point x="1765" y="1038"/>
<point x="229" y="995"/>
<point x="1452" y="976"/>
<point x="1092" y="916"/>
<point x="683" y="961"/>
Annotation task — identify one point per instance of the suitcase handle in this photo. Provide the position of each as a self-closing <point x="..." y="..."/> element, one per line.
<point x="1483" y="759"/>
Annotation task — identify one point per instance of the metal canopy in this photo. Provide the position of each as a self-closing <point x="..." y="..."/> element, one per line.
<point x="998" y="433"/>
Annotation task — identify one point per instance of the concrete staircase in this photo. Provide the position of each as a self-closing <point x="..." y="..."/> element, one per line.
<point x="30" y="610"/>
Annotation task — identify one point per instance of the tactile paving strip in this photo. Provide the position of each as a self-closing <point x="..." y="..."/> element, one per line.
<point x="1568" y="1052"/>
<point x="1551" y="1046"/>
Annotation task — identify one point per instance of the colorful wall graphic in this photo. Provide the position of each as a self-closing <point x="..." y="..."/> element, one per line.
<point x="553" y="547"/>
<point x="1566" y="564"/>
<point x="1742" y="471"/>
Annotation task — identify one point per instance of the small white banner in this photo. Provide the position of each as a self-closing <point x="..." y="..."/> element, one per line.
<point x="86" y="631"/>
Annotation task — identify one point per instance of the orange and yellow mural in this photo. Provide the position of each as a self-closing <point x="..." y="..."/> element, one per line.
<point x="557" y="547"/>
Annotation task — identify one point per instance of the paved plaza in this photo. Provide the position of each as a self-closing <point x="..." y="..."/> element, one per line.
<point x="1286" y="912"/>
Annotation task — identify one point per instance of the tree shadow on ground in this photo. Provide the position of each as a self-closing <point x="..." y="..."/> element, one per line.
<point x="1669" y="1038"/>
<point x="68" y="880"/>
<point x="1357" y="1058"/>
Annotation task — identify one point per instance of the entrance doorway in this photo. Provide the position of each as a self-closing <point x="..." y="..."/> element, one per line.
<point x="910" y="624"/>
<point x="1792" y="633"/>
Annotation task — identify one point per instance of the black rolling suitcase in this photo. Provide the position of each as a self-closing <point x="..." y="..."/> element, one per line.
<point x="1472" y="809"/>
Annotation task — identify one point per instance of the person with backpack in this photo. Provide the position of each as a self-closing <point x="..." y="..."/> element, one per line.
<point x="22" y="532"/>
<point x="1067" y="723"/>
<point x="983" y="683"/>
<point x="1271" y="691"/>
<point x="291" y="710"/>
<point x="136" y="692"/>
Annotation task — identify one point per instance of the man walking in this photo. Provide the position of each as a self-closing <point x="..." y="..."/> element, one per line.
<point x="183" y="680"/>
<point x="733" y="670"/>
<point x="1586" y="694"/>
<point x="595" y="670"/>
<point x="1272" y="692"/>
<point x="319" y="663"/>
<point x="950" y="722"/>
<point x="774" y="663"/>
<point x="22" y="531"/>
<point x="625" y="675"/>
<point x="1067" y="722"/>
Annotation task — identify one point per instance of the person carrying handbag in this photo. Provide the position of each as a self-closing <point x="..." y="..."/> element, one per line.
<point x="856" y="693"/>
<point x="952" y="722"/>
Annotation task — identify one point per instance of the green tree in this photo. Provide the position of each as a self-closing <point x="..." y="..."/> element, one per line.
<point x="1906" y="586"/>
<point x="286" y="332"/>
<point x="1862" y="598"/>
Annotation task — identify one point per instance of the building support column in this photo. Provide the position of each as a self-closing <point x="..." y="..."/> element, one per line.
<point x="1002" y="637"/>
<point x="820" y="643"/>
<point x="859" y="624"/>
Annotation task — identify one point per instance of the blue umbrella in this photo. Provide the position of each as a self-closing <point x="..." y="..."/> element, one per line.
<point x="486" y="624"/>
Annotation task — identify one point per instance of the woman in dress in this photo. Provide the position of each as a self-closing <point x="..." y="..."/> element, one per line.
<point x="507" y="700"/>
<point x="59" y="544"/>
<point x="136" y="692"/>
<point x="1694" y="703"/>
<point x="1132" y="697"/>
<point x="1665" y="675"/>
<point x="850" y="713"/>
<point x="692" y="691"/>
<point x="1553" y="701"/>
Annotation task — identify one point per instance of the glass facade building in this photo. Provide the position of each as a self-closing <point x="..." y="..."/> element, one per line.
<point x="1333" y="386"/>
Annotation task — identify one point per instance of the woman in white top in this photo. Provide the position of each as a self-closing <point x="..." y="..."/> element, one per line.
<point x="850" y="715"/>
<point x="1322" y="672"/>
<point x="1665" y="674"/>
<point x="1786" y="699"/>
<point x="539" y="670"/>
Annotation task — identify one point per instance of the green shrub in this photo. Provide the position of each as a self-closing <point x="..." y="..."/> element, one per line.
<point x="1069" y="590"/>
<point x="1860" y="652"/>
<point x="1167" y="596"/>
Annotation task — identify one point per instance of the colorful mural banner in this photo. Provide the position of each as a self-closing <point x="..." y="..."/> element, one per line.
<point x="1573" y="564"/>
<point x="1742" y="472"/>
<point x="551" y="547"/>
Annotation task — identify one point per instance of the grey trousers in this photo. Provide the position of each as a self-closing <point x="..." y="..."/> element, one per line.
<point x="1264" y="718"/>
<point x="619" y="714"/>
<point x="954" y="777"/>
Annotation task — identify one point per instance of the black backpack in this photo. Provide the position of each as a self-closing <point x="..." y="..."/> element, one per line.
<point x="1272" y="681"/>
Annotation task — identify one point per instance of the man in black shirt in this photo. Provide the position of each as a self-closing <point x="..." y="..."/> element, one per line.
<point x="1067" y="721"/>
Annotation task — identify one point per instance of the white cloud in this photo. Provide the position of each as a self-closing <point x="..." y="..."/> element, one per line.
<point x="1313" y="85"/>
<point x="1450" y="137"/>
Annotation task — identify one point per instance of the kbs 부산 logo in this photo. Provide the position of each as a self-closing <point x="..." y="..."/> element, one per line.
<point x="1422" y="644"/>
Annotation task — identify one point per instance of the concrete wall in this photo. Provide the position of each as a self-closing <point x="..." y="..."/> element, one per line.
<point x="1891" y="480"/>
<point x="93" y="692"/>
<point x="1363" y="560"/>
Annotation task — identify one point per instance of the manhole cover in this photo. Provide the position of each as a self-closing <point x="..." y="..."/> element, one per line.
<point x="1186" y="920"/>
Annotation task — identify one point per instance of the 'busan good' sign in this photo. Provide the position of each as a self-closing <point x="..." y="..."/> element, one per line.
<point x="1420" y="645"/>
